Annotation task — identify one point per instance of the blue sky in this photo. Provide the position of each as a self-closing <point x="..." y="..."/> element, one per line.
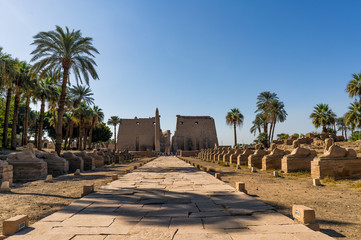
<point x="205" y="57"/>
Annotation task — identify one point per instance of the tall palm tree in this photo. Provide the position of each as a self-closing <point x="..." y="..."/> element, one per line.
<point x="29" y="88"/>
<point x="353" y="87"/>
<point x="114" y="120"/>
<point x="97" y="117"/>
<point x="234" y="118"/>
<point x="8" y="72"/>
<point x="68" y="51"/>
<point x="46" y="91"/>
<point x="23" y="74"/>
<point x="341" y="126"/>
<point x="353" y="116"/>
<point x="323" y="116"/>
<point x="78" y="94"/>
<point x="81" y="115"/>
<point x="277" y="113"/>
<point x="263" y="100"/>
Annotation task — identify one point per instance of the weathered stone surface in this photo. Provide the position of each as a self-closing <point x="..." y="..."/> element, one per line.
<point x="74" y="161"/>
<point x="6" y="172"/>
<point x="167" y="199"/>
<point x="56" y="165"/>
<point x="89" y="161"/>
<point x="299" y="159"/>
<point x="242" y="159"/>
<point x="98" y="160"/>
<point x="255" y="160"/>
<point x="26" y="166"/>
<point x="273" y="160"/>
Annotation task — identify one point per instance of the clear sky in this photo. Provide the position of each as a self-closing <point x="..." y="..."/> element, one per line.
<point x="204" y="57"/>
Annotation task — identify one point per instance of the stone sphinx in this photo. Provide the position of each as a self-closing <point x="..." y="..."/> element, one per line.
<point x="233" y="157"/>
<point x="75" y="162"/>
<point x="242" y="158"/>
<point x="299" y="159"/>
<point x="273" y="160"/>
<point x="336" y="162"/>
<point x="56" y="165"/>
<point x="26" y="166"/>
<point x="89" y="162"/>
<point x="98" y="160"/>
<point x="255" y="159"/>
<point x="225" y="156"/>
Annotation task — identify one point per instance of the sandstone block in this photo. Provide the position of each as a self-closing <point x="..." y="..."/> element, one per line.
<point x="241" y="187"/>
<point x="316" y="182"/>
<point x="49" y="179"/>
<point x="5" y="187"/>
<point x="88" y="189"/>
<point x="217" y="175"/>
<point x="115" y="177"/>
<point x="303" y="214"/>
<point x="15" y="224"/>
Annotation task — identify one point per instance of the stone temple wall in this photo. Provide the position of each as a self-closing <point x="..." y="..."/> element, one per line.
<point x="194" y="133"/>
<point x="136" y="134"/>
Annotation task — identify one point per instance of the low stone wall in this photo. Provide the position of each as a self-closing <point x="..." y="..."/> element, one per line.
<point x="139" y="154"/>
<point x="295" y="164"/>
<point x="336" y="168"/>
<point x="271" y="162"/>
<point x="188" y="153"/>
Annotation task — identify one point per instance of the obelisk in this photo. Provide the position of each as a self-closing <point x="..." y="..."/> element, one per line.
<point x="157" y="131"/>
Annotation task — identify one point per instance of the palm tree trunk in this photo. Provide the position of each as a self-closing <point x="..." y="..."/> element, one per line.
<point x="15" y="118"/>
<point x="324" y="129"/>
<point x="270" y="132"/>
<point x="273" y="130"/>
<point x="265" y="128"/>
<point x="6" y="120"/>
<point x="71" y="127"/>
<point x="80" y="135"/>
<point x="59" y="125"/>
<point x="91" y="134"/>
<point x="67" y="136"/>
<point x="26" y="120"/>
<point x="85" y="137"/>
<point x="235" y="134"/>
<point x="41" y="124"/>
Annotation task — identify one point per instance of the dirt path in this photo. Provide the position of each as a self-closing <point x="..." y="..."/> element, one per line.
<point x="337" y="204"/>
<point x="38" y="199"/>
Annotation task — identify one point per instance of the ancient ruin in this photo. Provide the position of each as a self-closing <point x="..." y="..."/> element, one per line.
<point x="242" y="158"/>
<point x="56" y="165"/>
<point x="89" y="162"/>
<point x="75" y="162"/>
<point x="299" y="159"/>
<point x="6" y="172"/>
<point x="273" y="160"/>
<point x="98" y="160"/>
<point x="194" y="133"/>
<point x="336" y="162"/>
<point x="255" y="159"/>
<point x="26" y="166"/>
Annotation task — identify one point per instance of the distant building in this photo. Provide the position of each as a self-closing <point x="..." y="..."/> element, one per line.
<point x="194" y="133"/>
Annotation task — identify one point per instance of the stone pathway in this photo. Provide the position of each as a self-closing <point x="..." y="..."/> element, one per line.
<point x="167" y="199"/>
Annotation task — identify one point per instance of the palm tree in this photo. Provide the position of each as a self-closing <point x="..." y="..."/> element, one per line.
<point x="97" y="117"/>
<point x="234" y="118"/>
<point x="353" y="88"/>
<point x="258" y="122"/>
<point x="8" y="71"/>
<point x="114" y="120"/>
<point x="341" y="126"/>
<point x="353" y="116"/>
<point x="323" y="116"/>
<point x="263" y="100"/>
<point x="29" y="88"/>
<point x="78" y="94"/>
<point x="69" y="51"/>
<point x="46" y="90"/>
<point x="277" y="114"/>
<point x="81" y="115"/>
<point x="23" y="74"/>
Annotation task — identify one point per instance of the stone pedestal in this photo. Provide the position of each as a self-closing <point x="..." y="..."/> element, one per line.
<point x="56" y="165"/>
<point x="271" y="162"/>
<point x="74" y="162"/>
<point x="98" y="160"/>
<point x="294" y="164"/>
<point x="89" y="162"/>
<point x="6" y="172"/>
<point x="26" y="166"/>
<point x="341" y="168"/>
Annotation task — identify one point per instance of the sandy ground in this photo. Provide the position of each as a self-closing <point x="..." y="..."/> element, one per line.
<point x="337" y="203"/>
<point x="38" y="199"/>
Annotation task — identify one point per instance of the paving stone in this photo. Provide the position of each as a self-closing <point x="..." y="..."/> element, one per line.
<point x="167" y="199"/>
